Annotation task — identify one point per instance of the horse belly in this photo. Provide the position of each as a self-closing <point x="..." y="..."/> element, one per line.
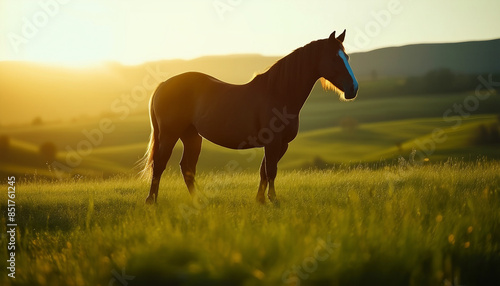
<point x="230" y="132"/>
<point x="231" y="124"/>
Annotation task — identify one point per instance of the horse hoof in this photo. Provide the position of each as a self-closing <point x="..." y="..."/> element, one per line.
<point x="150" y="200"/>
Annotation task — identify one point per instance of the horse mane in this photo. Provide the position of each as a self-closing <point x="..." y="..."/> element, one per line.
<point x="291" y="68"/>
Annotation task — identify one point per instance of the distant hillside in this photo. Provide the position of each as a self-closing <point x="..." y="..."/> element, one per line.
<point x="29" y="90"/>
<point x="55" y="92"/>
<point x="467" y="57"/>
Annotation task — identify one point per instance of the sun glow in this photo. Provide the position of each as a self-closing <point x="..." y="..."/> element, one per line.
<point x="79" y="32"/>
<point x="56" y="32"/>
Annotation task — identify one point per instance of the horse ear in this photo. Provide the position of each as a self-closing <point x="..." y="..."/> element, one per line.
<point x="332" y="36"/>
<point x="341" y="37"/>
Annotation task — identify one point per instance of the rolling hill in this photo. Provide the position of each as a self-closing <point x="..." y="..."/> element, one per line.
<point x="383" y="129"/>
<point x="61" y="93"/>
<point x="467" y="57"/>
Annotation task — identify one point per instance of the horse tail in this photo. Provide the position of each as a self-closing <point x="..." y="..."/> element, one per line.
<point x="147" y="162"/>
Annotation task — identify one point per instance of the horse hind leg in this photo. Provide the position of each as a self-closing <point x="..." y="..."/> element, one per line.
<point x="263" y="182"/>
<point x="192" y="147"/>
<point x="160" y="160"/>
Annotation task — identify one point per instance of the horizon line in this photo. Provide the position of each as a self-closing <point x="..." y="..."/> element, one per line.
<point x="98" y="63"/>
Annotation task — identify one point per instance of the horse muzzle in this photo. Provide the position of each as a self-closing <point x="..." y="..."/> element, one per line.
<point x="351" y="93"/>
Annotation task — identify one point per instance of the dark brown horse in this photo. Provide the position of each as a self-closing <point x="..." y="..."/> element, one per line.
<point x="262" y="113"/>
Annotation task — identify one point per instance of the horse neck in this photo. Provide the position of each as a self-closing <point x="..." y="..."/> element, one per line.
<point x="291" y="79"/>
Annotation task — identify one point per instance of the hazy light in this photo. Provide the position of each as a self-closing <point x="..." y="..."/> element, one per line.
<point x="79" y="32"/>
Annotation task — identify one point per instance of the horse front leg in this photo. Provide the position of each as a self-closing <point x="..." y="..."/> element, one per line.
<point x="273" y="155"/>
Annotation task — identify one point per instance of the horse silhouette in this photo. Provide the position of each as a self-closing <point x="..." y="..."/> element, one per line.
<point x="261" y="113"/>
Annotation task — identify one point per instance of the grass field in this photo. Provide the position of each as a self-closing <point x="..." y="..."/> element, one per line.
<point x="399" y="224"/>
<point x="375" y="201"/>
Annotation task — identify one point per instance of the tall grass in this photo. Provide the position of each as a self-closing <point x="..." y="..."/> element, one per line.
<point x="396" y="225"/>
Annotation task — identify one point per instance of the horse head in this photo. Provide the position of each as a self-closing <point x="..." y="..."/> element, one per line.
<point x="335" y="69"/>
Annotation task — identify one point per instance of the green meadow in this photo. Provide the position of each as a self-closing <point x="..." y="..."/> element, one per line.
<point x="389" y="189"/>
<point x="398" y="224"/>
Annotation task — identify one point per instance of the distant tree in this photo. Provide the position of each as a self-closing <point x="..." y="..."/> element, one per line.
<point x="413" y="85"/>
<point x="37" y="121"/>
<point x="348" y="124"/>
<point x="48" y="151"/>
<point x="482" y="135"/>
<point x="439" y="80"/>
<point x="319" y="163"/>
<point x="464" y="82"/>
<point x="487" y="135"/>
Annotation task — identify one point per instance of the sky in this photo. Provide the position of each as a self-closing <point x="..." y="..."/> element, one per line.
<point x="82" y="32"/>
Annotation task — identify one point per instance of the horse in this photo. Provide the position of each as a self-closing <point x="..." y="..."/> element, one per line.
<point x="261" y="113"/>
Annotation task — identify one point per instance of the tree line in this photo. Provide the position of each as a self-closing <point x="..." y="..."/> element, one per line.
<point x="441" y="80"/>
